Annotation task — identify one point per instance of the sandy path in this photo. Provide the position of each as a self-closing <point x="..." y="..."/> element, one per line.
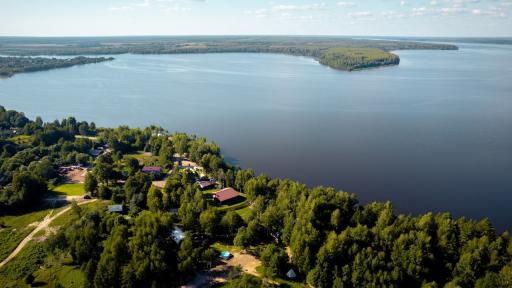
<point x="42" y="225"/>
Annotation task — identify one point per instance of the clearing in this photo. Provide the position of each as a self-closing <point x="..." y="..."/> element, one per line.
<point x="76" y="189"/>
<point x="40" y="226"/>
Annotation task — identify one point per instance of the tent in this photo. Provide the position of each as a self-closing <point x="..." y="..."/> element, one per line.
<point x="177" y="235"/>
<point x="225" y="255"/>
<point x="291" y="274"/>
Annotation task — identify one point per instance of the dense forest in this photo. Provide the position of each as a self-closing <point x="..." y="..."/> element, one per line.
<point x="353" y="59"/>
<point x="326" y="236"/>
<point x="317" y="47"/>
<point x="12" y="65"/>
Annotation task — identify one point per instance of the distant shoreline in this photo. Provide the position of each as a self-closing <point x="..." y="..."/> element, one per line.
<point x="346" y="54"/>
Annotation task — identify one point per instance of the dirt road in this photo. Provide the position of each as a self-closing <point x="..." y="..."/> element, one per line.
<point x="42" y="225"/>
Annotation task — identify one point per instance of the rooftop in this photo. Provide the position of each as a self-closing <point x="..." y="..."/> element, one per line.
<point x="205" y="184"/>
<point x="226" y="194"/>
<point x="115" y="208"/>
<point x="151" y="169"/>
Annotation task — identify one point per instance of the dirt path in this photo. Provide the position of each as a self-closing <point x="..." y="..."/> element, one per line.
<point x="42" y="225"/>
<point x="219" y="273"/>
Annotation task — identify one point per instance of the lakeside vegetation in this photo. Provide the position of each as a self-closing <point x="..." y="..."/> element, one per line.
<point x="13" y="65"/>
<point x="319" y="48"/>
<point x="326" y="236"/>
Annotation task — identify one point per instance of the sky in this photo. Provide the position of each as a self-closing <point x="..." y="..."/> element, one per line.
<point x="453" y="18"/>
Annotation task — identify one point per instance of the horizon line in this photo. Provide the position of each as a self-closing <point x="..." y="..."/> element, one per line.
<point x="239" y="35"/>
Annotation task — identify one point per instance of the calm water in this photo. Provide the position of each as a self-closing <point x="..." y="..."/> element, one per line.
<point x="434" y="133"/>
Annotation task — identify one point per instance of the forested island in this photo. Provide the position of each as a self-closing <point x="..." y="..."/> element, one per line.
<point x="13" y="65"/>
<point x="350" y="59"/>
<point x="325" y="49"/>
<point x="173" y="221"/>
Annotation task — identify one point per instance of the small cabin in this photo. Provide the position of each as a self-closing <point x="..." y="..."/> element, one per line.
<point x="206" y="184"/>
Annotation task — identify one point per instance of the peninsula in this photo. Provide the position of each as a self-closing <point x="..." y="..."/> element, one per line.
<point x="341" y="53"/>
<point x="13" y="65"/>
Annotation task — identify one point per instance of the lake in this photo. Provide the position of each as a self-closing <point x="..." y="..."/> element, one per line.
<point x="432" y="134"/>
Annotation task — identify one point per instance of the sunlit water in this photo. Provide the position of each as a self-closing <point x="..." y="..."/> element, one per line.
<point x="434" y="133"/>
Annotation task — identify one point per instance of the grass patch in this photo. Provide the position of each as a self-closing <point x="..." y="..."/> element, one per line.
<point x="65" y="274"/>
<point x="16" y="228"/>
<point x="245" y="213"/>
<point x="223" y="247"/>
<point x="235" y="206"/>
<point x="144" y="159"/>
<point x="70" y="216"/>
<point x="25" y="263"/>
<point x="22" y="139"/>
<point x="76" y="189"/>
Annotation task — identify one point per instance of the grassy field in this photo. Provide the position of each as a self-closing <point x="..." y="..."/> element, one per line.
<point x="61" y="272"/>
<point x="25" y="263"/>
<point x="48" y="271"/>
<point x="32" y="259"/>
<point x="144" y="158"/>
<point x="70" y="216"/>
<point x="244" y="213"/>
<point x="70" y="189"/>
<point x="16" y="228"/>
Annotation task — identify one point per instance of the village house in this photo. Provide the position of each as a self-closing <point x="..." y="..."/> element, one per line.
<point x="206" y="183"/>
<point x="225" y="195"/>
<point x="152" y="170"/>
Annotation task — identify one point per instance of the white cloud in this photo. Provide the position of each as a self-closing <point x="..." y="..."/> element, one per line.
<point x="164" y="5"/>
<point x="362" y="15"/>
<point x="346" y="4"/>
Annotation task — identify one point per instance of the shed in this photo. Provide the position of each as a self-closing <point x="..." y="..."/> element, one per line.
<point x="118" y="208"/>
<point x="205" y="184"/>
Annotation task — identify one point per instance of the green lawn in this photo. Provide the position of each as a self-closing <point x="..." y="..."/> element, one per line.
<point x="244" y="213"/>
<point x="70" y="189"/>
<point x="65" y="274"/>
<point x="242" y="203"/>
<point x="144" y="159"/>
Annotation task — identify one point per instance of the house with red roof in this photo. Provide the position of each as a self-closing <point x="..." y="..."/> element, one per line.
<point x="225" y="195"/>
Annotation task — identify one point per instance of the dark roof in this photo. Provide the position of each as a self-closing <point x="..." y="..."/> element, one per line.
<point x="115" y="208"/>
<point x="151" y="169"/>
<point x="204" y="184"/>
<point x="225" y="194"/>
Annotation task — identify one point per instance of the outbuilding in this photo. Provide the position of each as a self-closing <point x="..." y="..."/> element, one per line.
<point x="118" y="208"/>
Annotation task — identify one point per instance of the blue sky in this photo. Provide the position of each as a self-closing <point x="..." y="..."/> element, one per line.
<point x="205" y="17"/>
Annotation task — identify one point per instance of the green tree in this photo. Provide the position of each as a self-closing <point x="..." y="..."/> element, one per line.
<point x="274" y="260"/>
<point x="90" y="183"/>
<point x="155" y="199"/>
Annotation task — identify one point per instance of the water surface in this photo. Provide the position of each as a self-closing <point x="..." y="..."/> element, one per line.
<point x="433" y="134"/>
